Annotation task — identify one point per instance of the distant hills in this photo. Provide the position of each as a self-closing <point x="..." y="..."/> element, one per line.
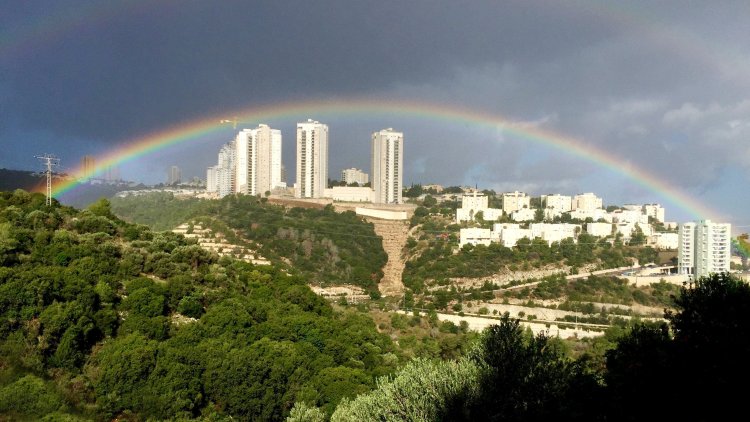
<point x="31" y="181"/>
<point x="21" y="179"/>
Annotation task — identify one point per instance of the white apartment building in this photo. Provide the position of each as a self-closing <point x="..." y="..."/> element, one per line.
<point x="523" y="214"/>
<point x="595" y="214"/>
<point x="665" y="240"/>
<point x="629" y="216"/>
<point x="655" y="211"/>
<point x="686" y="249"/>
<point x="551" y="213"/>
<point x="354" y="175"/>
<point x="212" y="182"/>
<point x="551" y="233"/>
<point x="513" y="201"/>
<point x="599" y="229"/>
<point x="312" y="159"/>
<point x="174" y="175"/>
<point x="712" y="247"/>
<point x="557" y="202"/>
<point x="473" y="203"/>
<point x="225" y="170"/>
<point x="586" y="201"/>
<point x="474" y="236"/>
<point x="258" y="160"/>
<point x="387" y="166"/>
<point x="509" y="236"/>
<point x="627" y="230"/>
<point x="704" y="248"/>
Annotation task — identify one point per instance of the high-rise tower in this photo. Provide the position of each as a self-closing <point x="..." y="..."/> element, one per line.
<point x="312" y="159"/>
<point x="704" y="248"/>
<point x="387" y="166"/>
<point x="258" y="160"/>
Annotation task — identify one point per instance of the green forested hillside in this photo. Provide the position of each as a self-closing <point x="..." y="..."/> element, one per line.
<point x="320" y="244"/>
<point x="103" y="319"/>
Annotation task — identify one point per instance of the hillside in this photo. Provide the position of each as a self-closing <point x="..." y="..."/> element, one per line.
<point x="104" y="319"/>
<point x="321" y="245"/>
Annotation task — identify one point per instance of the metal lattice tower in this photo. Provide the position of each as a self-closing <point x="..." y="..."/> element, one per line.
<point x="49" y="161"/>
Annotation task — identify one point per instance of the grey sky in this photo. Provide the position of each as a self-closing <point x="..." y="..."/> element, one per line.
<point x="664" y="85"/>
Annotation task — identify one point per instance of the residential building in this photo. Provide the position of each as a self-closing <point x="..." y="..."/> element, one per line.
<point x="599" y="229"/>
<point x="212" y="184"/>
<point x="354" y="175"/>
<point x="557" y="202"/>
<point x="686" y="249"/>
<point x="474" y="203"/>
<point x="552" y="213"/>
<point x="474" y="236"/>
<point x="88" y="167"/>
<point x="174" y="175"/>
<point x="510" y="234"/>
<point x="704" y="248"/>
<point x="551" y="233"/>
<point x="387" y="166"/>
<point x="654" y="211"/>
<point x="629" y="216"/>
<point x="312" y="159"/>
<point x="258" y="160"/>
<point x="225" y="170"/>
<point x="523" y="214"/>
<point x="283" y="180"/>
<point x="625" y="229"/>
<point x="513" y="201"/>
<point x="712" y="247"/>
<point x="665" y="241"/>
<point x="433" y="187"/>
<point x="595" y="214"/>
<point x="586" y="201"/>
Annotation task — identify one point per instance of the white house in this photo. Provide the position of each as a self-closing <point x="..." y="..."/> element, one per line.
<point x="562" y="203"/>
<point x="586" y="201"/>
<point x="665" y="240"/>
<point x="654" y="210"/>
<point x="524" y="214"/>
<point x="474" y="236"/>
<point x="509" y="236"/>
<point x="472" y="204"/>
<point x="599" y="229"/>
<point x="554" y="232"/>
<point x="595" y="214"/>
<point x="513" y="201"/>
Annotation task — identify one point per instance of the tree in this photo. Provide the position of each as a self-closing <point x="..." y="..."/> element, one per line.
<point x="29" y="396"/>
<point x="528" y="378"/>
<point x="423" y="391"/>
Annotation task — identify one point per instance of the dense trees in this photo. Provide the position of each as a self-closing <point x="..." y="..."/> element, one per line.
<point x="102" y="319"/>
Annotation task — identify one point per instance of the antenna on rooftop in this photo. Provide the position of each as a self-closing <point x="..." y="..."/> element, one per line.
<point x="49" y="161"/>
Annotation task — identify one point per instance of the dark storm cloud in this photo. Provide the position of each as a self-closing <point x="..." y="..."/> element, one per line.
<point x="663" y="85"/>
<point x="171" y="62"/>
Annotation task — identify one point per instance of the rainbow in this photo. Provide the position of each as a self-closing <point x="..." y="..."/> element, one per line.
<point x="198" y="129"/>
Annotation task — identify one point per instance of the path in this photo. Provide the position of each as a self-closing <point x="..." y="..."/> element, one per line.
<point x="394" y="234"/>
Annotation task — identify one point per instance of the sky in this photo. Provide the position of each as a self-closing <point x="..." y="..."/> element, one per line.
<point x="660" y="85"/>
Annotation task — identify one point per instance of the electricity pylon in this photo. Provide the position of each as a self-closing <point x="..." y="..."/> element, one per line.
<point x="49" y="161"/>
